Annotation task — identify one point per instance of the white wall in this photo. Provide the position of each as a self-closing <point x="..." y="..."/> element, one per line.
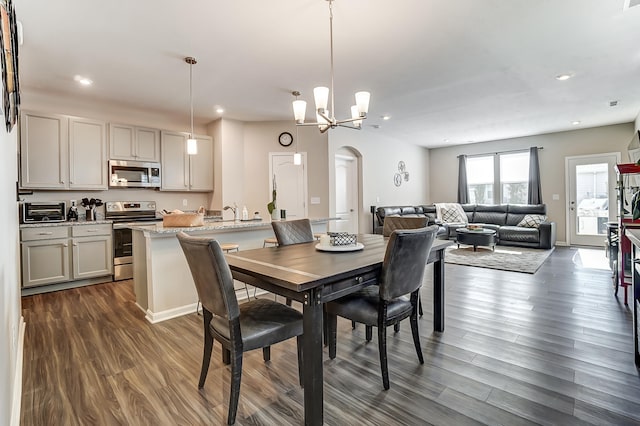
<point x="379" y="159"/>
<point x="11" y="320"/>
<point x="557" y="146"/>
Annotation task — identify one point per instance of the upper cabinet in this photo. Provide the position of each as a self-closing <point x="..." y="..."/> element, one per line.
<point x="62" y="152"/>
<point x="134" y="143"/>
<point x="183" y="172"/>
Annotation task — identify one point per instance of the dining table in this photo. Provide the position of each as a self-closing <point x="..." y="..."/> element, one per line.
<point x="313" y="275"/>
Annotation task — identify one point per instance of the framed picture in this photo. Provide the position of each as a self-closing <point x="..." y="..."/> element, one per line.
<point x="9" y="63"/>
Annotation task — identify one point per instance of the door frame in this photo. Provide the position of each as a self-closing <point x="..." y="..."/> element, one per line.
<point x="349" y="155"/>
<point x="567" y="180"/>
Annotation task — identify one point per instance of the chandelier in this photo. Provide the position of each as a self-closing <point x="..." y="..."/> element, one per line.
<point x="192" y="142"/>
<point x="325" y="119"/>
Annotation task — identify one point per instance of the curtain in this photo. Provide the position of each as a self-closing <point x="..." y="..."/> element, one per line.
<point x="463" y="188"/>
<point x="535" y="191"/>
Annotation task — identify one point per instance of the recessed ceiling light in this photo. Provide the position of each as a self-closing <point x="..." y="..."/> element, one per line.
<point x="445" y="140"/>
<point x="83" y="80"/>
<point x="563" y="77"/>
<point x="219" y="110"/>
<point x="386" y="117"/>
<point x="576" y="122"/>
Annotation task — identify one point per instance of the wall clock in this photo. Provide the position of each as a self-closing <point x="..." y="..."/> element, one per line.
<point x="285" y="139"/>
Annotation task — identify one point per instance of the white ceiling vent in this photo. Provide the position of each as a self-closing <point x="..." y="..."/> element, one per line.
<point x="630" y="3"/>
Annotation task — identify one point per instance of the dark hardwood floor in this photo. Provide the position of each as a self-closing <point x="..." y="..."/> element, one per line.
<point x="552" y="348"/>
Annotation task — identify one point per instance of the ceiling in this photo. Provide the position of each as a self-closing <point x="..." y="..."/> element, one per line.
<point x="445" y="72"/>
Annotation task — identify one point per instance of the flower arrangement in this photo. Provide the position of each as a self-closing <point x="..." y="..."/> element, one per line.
<point x="272" y="205"/>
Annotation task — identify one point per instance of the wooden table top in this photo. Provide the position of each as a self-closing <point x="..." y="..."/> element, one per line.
<point x="300" y="267"/>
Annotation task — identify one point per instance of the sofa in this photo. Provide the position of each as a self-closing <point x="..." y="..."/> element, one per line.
<point x="503" y="218"/>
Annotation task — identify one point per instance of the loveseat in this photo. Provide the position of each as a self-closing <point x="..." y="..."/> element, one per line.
<point x="505" y="219"/>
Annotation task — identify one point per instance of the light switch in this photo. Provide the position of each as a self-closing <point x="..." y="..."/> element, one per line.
<point x="315" y="200"/>
<point x="555" y="197"/>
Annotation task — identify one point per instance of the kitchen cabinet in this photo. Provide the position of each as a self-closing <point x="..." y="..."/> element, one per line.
<point x="183" y="172"/>
<point x="134" y="143"/>
<point x="62" y="152"/>
<point x="63" y="253"/>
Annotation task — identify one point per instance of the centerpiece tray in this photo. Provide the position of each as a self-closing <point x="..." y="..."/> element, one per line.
<point x="349" y="247"/>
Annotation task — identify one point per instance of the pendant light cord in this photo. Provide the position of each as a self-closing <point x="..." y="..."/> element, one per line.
<point x="333" y="110"/>
<point x="191" y="93"/>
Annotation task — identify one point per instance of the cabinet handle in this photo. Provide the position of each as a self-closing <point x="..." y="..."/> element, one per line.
<point x="45" y="233"/>
<point x="65" y="245"/>
<point x="92" y="230"/>
<point x="75" y="244"/>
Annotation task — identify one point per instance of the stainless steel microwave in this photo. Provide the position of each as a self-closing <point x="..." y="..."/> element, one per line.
<point x="134" y="174"/>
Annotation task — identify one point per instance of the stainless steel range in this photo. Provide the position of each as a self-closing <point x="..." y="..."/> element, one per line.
<point x="124" y="214"/>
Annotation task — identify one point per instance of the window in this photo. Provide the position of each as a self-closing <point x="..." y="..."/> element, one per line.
<point x="498" y="178"/>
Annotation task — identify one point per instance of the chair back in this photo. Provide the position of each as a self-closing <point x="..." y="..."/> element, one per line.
<point x="293" y="231"/>
<point x="211" y="275"/>
<point x="405" y="261"/>
<point x="391" y="223"/>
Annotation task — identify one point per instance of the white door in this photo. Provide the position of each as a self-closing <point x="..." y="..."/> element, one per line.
<point x="291" y="184"/>
<point x="346" y="182"/>
<point x="591" y="197"/>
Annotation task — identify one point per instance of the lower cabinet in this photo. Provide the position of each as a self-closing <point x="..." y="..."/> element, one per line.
<point x="65" y="253"/>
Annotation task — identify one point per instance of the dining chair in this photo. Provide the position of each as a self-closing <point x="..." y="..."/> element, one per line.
<point x="390" y="224"/>
<point x="293" y="231"/>
<point x="258" y="323"/>
<point x="386" y="302"/>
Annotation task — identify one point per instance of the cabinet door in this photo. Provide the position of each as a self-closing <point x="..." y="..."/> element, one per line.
<point x="121" y="142"/>
<point x="92" y="257"/>
<point x="45" y="262"/>
<point x="87" y="154"/>
<point x="147" y="145"/>
<point x="43" y="151"/>
<point x="201" y="170"/>
<point x="175" y="166"/>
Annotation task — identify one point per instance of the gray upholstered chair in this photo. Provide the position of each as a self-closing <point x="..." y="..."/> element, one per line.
<point x="391" y="223"/>
<point x="293" y="231"/>
<point x="258" y="323"/>
<point x="387" y="303"/>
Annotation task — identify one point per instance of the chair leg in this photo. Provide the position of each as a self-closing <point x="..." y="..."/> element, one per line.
<point x="236" y="376"/>
<point x="266" y="353"/>
<point x="288" y="302"/>
<point x="332" y="325"/>
<point x="300" y="341"/>
<point x="396" y="327"/>
<point x="247" y="290"/>
<point x="325" y="327"/>
<point x="353" y="325"/>
<point x="382" y="348"/>
<point x="368" y="332"/>
<point x="420" y="305"/>
<point x="208" y="347"/>
<point x="226" y="356"/>
<point x="416" y="336"/>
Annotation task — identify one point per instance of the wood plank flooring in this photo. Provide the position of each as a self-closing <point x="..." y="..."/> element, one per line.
<point x="553" y="348"/>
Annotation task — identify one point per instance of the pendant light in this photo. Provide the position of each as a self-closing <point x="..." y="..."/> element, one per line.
<point x="192" y="143"/>
<point x="297" y="157"/>
<point x="325" y="118"/>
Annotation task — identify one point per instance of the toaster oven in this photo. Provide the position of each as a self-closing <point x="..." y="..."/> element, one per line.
<point x="53" y="211"/>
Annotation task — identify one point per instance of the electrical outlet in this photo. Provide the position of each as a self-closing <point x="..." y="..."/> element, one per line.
<point x="184" y="202"/>
<point x="73" y="202"/>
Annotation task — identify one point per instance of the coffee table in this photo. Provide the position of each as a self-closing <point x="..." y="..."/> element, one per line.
<point x="476" y="237"/>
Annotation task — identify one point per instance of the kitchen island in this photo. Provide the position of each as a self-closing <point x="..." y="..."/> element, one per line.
<point x="163" y="284"/>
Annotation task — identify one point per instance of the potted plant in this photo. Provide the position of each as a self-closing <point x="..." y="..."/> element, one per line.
<point x="273" y="210"/>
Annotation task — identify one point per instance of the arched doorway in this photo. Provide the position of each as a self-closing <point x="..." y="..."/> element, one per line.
<point x="347" y="190"/>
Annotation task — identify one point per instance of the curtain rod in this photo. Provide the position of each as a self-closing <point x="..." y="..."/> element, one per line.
<point x="499" y="152"/>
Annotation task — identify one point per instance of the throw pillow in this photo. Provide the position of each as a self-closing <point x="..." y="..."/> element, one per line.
<point x="532" y="220"/>
<point x="452" y="215"/>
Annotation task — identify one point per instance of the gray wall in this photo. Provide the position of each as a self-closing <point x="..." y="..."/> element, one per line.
<point x="557" y="146"/>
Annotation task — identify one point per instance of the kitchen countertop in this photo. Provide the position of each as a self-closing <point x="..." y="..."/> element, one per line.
<point x="73" y="223"/>
<point x="158" y="228"/>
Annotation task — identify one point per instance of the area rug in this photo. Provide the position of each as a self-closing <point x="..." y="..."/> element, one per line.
<point x="516" y="259"/>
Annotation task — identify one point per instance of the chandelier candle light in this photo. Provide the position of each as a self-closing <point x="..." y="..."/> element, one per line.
<point x="192" y="143"/>
<point x="324" y="118"/>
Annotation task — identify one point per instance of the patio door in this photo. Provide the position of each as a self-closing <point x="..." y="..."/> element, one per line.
<point x="591" y="197"/>
<point x="291" y="183"/>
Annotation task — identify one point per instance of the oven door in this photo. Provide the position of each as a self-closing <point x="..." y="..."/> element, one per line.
<point x="122" y="253"/>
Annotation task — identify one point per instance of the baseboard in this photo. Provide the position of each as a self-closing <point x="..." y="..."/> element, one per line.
<point x="17" y="380"/>
<point x="154" y="317"/>
<point x="562" y="243"/>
